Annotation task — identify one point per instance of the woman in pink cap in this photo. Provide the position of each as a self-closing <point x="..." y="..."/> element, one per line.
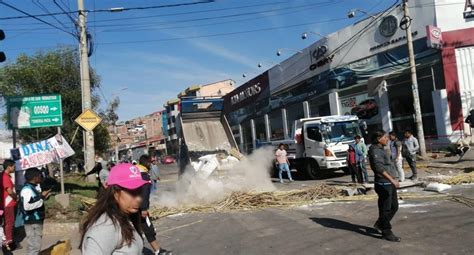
<point x="113" y="223"/>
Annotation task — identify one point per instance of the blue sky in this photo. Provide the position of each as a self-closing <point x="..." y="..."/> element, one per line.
<point x="157" y="57"/>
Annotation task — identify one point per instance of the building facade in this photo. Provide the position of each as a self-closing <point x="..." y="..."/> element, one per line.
<point x="363" y="70"/>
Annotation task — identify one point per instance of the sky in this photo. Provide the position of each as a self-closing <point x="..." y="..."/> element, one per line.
<point x="147" y="56"/>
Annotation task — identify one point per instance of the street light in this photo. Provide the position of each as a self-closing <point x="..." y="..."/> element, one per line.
<point x="261" y="63"/>
<point x="351" y="14"/>
<point x="304" y="35"/>
<point x="280" y="51"/>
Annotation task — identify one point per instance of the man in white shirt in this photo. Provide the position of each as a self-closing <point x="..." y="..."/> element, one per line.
<point x="283" y="163"/>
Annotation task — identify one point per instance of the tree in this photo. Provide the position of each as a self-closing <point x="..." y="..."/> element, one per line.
<point x="56" y="71"/>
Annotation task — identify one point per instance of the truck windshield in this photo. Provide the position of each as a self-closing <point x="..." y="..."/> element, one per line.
<point x="342" y="131"/>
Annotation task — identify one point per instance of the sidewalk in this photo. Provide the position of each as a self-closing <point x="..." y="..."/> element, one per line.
<point x="464" y="163"/>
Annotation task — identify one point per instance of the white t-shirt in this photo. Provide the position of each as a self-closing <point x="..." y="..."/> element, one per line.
<point x="105" y="238"/>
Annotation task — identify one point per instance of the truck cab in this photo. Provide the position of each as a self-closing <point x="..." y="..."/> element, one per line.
<point x="321" y="143"/>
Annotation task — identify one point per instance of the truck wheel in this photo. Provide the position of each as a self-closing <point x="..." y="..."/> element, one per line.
<point x="312" y="169"/>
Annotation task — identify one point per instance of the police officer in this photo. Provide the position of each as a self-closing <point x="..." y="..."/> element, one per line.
<point x="385" y="185"/>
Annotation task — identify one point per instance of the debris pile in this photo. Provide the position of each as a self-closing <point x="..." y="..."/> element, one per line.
<point x="460" y="179"/>
<point x="250" y="200"/>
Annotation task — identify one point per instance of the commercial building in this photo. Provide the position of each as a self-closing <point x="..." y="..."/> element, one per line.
<point x="363" y="69"/>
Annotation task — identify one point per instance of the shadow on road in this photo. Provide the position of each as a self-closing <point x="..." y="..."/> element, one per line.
<point x="343" y="225"/>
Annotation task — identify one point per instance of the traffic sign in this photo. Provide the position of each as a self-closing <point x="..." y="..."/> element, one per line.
<point x="88" y="120"/>
<point x="34" y="111"/>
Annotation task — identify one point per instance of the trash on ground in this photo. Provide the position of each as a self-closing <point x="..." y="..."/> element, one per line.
<point x="438" y="187"/>
<point x="250" y="200"/>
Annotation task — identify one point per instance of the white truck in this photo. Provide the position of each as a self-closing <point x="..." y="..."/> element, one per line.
<point x="321" y="143"/>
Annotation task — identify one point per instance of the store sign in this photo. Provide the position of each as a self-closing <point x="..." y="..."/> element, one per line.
<point x="388" y="26"/>
<point x="318" y="58"/>
<point x="434" y="37"/>
<point x="468" y="10"/>
<point x="393" y="41"/>
<point x="247" y="93"/>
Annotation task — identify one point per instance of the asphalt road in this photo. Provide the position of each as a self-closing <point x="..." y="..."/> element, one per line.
<point x="426" y="227"/>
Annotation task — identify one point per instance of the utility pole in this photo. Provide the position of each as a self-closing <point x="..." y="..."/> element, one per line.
<point x="414" y="81"/>
<point x="89" y="151"/>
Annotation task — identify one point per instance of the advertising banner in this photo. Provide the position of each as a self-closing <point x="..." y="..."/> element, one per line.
<point x="43" y="152"/>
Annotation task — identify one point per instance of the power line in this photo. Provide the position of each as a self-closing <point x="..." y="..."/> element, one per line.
<point x="144" y="26"/>
<point x="36" y="18"/>
<point x="147" y="24"/>
<point x="208" y="24"/>
<point x="41" y="6"/>
<point x="224" y="34"/>
<point x="108" y="10"/>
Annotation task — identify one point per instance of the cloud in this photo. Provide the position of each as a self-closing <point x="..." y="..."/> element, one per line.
<point x="222" y="52"/>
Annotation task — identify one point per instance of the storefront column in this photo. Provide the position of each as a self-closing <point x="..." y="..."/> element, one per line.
<point x="334" y="103"/>
<point x="384" y="108"/>
<point x="442" y="118"/>
<point x="268" y="133"/>
<point x="306" y="109"/>
<point x="285" y="123"/>
<point x="254" y="134"/>
<point x="241" y="138"/>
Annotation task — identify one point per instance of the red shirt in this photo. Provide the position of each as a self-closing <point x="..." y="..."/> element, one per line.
<point x="7" y="183"/>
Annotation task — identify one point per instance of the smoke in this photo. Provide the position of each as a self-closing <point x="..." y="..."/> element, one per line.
<point x="250" y="174"/>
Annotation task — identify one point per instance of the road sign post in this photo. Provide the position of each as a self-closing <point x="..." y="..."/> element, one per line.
<point x="34" y="111"/>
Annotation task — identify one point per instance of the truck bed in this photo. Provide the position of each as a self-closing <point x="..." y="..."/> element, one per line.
<point x="206" y="135"/>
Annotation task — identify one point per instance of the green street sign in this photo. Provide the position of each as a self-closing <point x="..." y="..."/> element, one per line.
<point x="34" y="111"/>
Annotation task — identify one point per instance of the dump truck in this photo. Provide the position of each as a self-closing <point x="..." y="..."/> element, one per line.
<point x="204" y="135"/>
<point x="320" y="144"/>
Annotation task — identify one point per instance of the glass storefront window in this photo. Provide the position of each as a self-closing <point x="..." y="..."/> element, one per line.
<point x="247" y="134"/>
<point x="276" y="125"/>
<point x="294" y="112"/>
<point x="260" y="129"/>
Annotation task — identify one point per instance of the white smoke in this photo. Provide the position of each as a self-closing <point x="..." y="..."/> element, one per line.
<point x="250" y="174"/>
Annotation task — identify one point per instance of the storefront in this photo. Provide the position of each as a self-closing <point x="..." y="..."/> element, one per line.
<point x="363" y="70"/>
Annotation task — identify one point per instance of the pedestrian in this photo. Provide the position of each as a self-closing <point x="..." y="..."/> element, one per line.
<point x="385" y="185"/>
<point x="409" y="150"/>
<point x="33" y="209"/>
<point x="352" y="164"/>
<point x="112" y="225"/>
<point x="361" y="156"/>
<point x="9" y="203"/>
<point x="103" y="175"/>
<point x="396" y="155"/>
<point x="144" y="164"/>
<point x="283" y="163"/>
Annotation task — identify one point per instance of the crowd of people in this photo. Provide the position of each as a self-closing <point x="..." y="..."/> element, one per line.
<point x="24" y="209"/>
<point x="385" y="157"/>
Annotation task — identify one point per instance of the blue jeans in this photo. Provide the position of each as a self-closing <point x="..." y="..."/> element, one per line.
<point x="363" y="169"/>
<point x="284" y="167"/>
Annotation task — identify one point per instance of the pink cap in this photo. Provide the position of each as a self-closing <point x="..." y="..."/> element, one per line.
<point x="126" y="176"/>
